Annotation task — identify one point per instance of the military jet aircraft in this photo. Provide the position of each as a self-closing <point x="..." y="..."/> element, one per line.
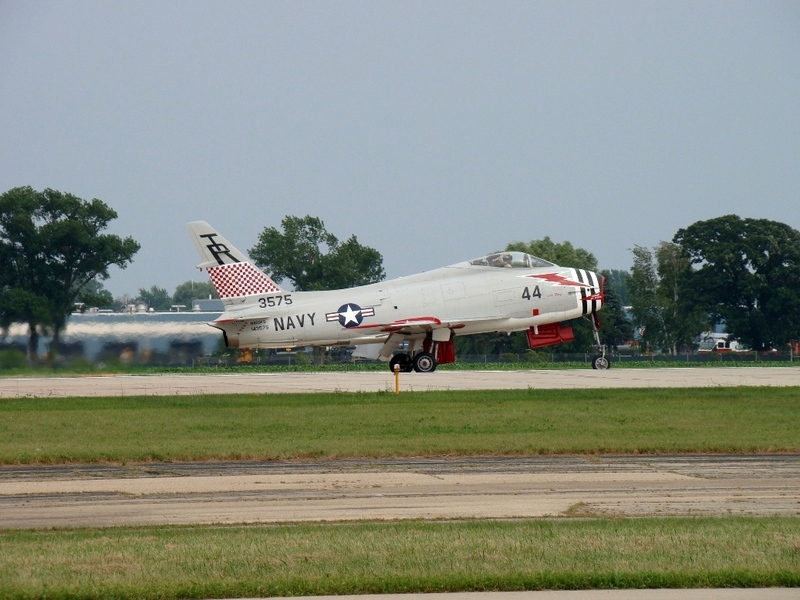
<point x="499" y="292"/>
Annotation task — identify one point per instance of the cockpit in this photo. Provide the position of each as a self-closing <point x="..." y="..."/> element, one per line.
<point x="511" y="260"/>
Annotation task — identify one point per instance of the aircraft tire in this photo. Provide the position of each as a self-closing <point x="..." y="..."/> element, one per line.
<point x="601" y="363"/>
<point x="424" y="362"/>
<point x="402" y="359"/>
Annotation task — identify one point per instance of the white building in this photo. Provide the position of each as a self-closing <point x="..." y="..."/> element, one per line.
<point x="153" y="337"/>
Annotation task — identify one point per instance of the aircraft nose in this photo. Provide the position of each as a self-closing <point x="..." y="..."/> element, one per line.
<point x="595" y="295"/>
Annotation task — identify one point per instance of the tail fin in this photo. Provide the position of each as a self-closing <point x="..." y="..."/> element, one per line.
<point x="231" y="272"/>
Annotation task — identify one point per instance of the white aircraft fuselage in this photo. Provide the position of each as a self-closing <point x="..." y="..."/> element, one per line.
<point x="501" y="292"/>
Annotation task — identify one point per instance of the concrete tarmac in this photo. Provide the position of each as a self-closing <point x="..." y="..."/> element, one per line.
<point x="360" y="381"/>
<point x="389" y="489"/>
<point x="657" y="594"/>
<point x="39" y="497"/>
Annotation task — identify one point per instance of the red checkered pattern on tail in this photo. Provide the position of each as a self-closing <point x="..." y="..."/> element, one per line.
<point x="240" y="279"/>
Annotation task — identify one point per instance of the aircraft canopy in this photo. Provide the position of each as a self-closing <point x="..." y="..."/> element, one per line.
<point x="514" y="260"/>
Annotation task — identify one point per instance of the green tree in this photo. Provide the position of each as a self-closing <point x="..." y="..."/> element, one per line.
<point x="18" y="304"/>
<point x="617" y="279"/>
<point x="643" y="289"/>
<point x="314" y="259"/>
<point x="51" y="247"/>
<point x="747" y="274"/>
<point x="94" y="294"/>
<point x="188" y="291"/>
<point x="661" y="309"/>
<point x="617" y="328"/>
<point x="156" y="298"/>
<point x="563" y="254"/>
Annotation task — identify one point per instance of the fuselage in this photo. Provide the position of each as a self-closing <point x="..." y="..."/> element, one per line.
<point x="469" y="297"/>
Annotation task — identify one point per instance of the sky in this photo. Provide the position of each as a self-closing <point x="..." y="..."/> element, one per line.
<point x="434" y="132"/>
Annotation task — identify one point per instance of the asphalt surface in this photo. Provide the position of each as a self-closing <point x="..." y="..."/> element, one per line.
<point x="697" y="594"/>
<point x="345" y="490"/>
<point x="360" y="381"/>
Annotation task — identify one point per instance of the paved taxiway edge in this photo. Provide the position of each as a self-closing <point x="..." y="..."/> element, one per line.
<point x="649" y="594"/>
<point x="360" y="381"/>
<point x="346" y="490"/>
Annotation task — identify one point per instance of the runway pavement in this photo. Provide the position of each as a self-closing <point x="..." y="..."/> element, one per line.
<point x="360" y="381"/>
<point x="695" y="594"/>
<point x="345" y="490"/>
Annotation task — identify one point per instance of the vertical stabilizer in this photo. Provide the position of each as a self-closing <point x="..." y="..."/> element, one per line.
<point x="231" y="272"/>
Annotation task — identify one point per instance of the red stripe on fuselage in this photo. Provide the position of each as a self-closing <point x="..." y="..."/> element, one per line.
<point x="558" y="279"/>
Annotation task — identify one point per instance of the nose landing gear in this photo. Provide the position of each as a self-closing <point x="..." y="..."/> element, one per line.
<point x="600" y="361"/>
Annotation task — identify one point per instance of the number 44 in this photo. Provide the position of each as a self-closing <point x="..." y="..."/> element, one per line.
<point x="527" y="294"/>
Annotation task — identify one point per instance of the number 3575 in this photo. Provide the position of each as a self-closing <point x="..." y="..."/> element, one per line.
<point x="273" y="301"/>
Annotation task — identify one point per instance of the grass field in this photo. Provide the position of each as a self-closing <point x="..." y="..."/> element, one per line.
<point x="516" y="422"/>
<point x="570" y="553"/>
<point x="206" y="562"/>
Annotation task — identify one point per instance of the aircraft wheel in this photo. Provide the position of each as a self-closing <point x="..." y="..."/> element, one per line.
<point x="402" y="359"/>
<point x="601" y="363"/>
<point x="424" y="362"/>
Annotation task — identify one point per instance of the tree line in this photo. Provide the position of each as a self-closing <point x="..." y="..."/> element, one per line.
<point x="52" y="247"/>
<point x="744" y="273"/>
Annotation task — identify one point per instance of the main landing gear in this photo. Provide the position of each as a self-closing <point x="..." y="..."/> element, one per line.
<point x="422" y="362"/>
<point x="423" y="355"/>
<point x="600" y="362"/>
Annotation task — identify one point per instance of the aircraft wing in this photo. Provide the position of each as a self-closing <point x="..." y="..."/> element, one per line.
<point x="413" y="325"/>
